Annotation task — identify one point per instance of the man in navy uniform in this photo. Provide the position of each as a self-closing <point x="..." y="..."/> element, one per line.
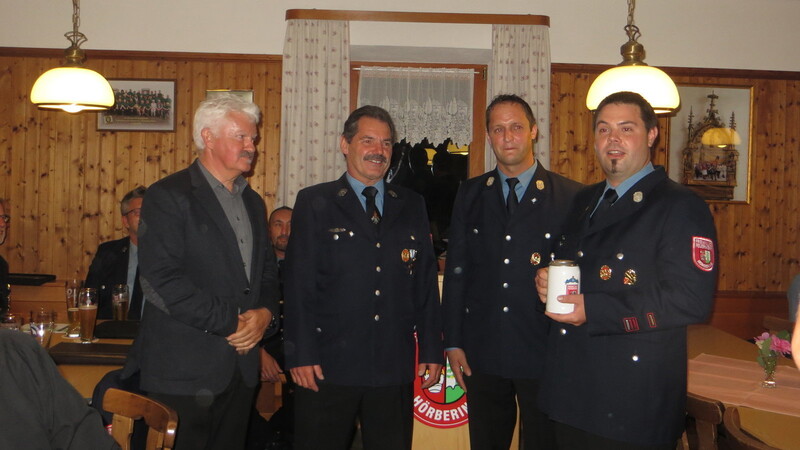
<point x="504" y="227"/>
<point x="117" y="262"/>
<point x="615" y="376"/>
<point x="360" y="281"/>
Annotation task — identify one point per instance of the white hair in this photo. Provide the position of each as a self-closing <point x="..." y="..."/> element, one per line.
<point x="212" y="111"/>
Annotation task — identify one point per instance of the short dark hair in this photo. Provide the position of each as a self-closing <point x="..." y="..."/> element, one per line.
<point x="375" y="112"/>
<point x="629" y="98"/>
<point x="510" y="98"/>
<point x="282" y="208"/>
<point x="137" y="192"/>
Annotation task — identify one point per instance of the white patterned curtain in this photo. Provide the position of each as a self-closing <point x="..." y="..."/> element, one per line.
<point x="521" y="65"/>
<point x="315" y="101"/>
<point x="423" y="102"/>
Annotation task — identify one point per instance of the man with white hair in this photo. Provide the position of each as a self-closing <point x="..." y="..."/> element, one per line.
<point x="210" y="281"/>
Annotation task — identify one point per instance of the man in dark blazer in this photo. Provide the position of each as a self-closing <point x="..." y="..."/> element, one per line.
<point x="116" y="262"/>
<point x="360" y="281"/>
<point x="495" y="330"/>
<point x="210" y="281"/>
<point x="615" y="376"/>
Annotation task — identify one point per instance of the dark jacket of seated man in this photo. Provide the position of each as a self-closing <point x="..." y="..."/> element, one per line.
<point x="39" y="408"/>
<point x="109" y="268"/>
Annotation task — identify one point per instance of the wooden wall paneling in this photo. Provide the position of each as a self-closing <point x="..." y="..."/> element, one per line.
<point x="789" y="219"/>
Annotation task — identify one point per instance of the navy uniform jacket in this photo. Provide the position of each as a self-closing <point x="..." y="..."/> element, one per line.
<point x="648" y="269"/>
<point x="109" y="268"/>
<point x="491" y="309"/>
<point x="195" y="286"/>
<point x="355" y="293"/>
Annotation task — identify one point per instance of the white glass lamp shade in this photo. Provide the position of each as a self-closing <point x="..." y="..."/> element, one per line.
<point x="650" y="82"/>
<point x="72" y="89"/>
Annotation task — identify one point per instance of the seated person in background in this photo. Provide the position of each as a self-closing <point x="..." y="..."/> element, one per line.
<point x="116" y="262"/>
<point x="40" y="409"/>
<point x="793" y="295"/>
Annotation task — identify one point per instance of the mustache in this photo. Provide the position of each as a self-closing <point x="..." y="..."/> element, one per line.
<point x="247" y="154"/>
<point x="375" y="158"/>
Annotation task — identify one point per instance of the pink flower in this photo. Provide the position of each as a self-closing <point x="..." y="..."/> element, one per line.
<point x="781" y="345"/>
<point x="764" y="336"/>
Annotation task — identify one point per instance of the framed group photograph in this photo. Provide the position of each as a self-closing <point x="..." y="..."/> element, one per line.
<point x="140" y="105"/>
<point x="710" y="140"/>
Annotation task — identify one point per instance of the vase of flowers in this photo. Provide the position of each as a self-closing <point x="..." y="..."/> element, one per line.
<point x="770" y="347"/>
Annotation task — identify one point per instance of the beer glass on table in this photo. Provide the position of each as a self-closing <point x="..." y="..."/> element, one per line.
<point x="73" y="290"/>
<point x="120" y="301"/>
<point x="87" y="311"/>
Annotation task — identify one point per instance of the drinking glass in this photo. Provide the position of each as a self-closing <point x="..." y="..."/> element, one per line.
<point x="120" y="301"/>
<point x="73" y="289"/>
<point x="87" y="311"/>
<point x="8" y="319"/>
<point x="41" y="326"/>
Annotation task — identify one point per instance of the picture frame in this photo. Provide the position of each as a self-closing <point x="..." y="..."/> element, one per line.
<point x="140" y="105"/>
<point x="710" y="141"/>
<point x="244" y="94"/>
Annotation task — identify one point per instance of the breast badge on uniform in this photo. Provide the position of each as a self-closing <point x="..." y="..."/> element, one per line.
<point x="489" y="181"/>
<point x="409" y="257"/>
<point x="536" y="258"/>
<point x="703" y="253"/>
<point x="605" y="273"/>
<point x="540" y="185"/>
<point x="630" y="277"/>
<point x="638" y="196"/>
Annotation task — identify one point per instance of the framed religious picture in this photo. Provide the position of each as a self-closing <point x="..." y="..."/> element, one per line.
<point x="140" y="105"/>
<point x="710" y="141"/>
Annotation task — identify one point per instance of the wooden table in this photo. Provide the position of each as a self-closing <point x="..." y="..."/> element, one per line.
<point x="779" y="430"/>
<point x="84" y="377"/>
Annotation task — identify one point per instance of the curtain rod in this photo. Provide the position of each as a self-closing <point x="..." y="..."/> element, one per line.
<point x="413" y="69"/>
<point x="391" y="16"/>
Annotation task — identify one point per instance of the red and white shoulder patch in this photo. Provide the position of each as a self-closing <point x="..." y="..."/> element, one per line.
<point x="703" y="253"/>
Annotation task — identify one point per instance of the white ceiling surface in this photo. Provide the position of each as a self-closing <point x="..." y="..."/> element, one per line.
<point x="735" y="34"/>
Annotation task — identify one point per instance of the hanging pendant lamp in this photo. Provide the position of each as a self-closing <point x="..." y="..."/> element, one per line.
<point x="634" y="75"/>
<point x="73" y="88"/>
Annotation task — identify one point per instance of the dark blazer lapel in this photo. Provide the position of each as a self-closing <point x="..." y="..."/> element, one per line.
<point x="121" y="269"/>
<point x="393" y="204"/>
<point x="535" y="193"/>
<point x="347" y="200"/>
<point x="251" y="204"/>
<point x="633" y="200"/>
<point x="206" y="198"/>
<point x="492" y="197"/>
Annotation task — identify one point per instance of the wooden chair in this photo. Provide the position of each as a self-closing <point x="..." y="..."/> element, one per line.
<point x="737" y="438"/>
<point x="774" y="324"/>
<point x="707" y="416"/>
<point x="127" y="407"/>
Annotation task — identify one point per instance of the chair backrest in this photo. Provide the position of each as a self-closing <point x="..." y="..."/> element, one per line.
<point x="738" y="439"/>
<point x="126" y="406"/>
<point x="707" y="415"/>
<point x="774" y="324"/>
